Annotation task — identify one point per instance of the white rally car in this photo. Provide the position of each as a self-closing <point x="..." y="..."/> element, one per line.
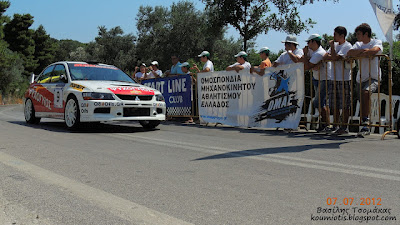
<point x="90" y="92"/>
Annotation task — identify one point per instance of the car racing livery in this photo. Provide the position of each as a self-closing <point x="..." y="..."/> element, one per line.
<point x="88" y="92"/>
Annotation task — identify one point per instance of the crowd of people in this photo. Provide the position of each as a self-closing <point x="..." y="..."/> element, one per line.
<point x="332" y="83"/>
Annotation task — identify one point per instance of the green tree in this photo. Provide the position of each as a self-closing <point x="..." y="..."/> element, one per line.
<point x="64" y="48"/>
<point x="45" y="48"/>
<point x="114" y="47"/>
<point x="4" y="5"/>
<point x="80" y="54"/>
<point x="10" y="62"/>
<point x="20" y="39"/>
<point x="180" y="29"/>
<point x="325" y="41"/>
<point x="10" y="70"/>
<point x="252" y="17"/>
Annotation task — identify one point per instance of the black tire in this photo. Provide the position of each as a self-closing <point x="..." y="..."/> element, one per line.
<point x="149" y="124"/>
<point x="398" y="128"/>
<point x="29" y="112"/>
<point x="72" y="114"/>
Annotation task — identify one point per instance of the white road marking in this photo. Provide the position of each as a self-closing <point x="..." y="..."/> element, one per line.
<point x="120" y="207"/>
<point x="287" y="160"/>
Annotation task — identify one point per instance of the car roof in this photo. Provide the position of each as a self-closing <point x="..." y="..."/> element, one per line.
<point x="81" y="62"/>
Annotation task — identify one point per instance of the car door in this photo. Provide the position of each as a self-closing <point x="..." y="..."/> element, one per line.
<point x="56" y="87"/>
<point x="40" y="93"/>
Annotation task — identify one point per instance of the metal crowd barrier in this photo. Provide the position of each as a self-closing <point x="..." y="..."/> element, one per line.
<point x="383" y="121"/>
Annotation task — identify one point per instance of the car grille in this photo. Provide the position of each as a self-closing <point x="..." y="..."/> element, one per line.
<point x="136" y="112"/>
<point x="102" y="110"/>
<point x="133" y="97"/>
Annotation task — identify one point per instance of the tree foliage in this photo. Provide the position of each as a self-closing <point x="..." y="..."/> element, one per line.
<point x="253" y="17"/>
<point x="180" y="30"/>
<point x="114" y="47"/>
<point x="20" y="39"/>
<point x="64" y="48"/>
<point x="45" y="48"/>
<point x="4" y="5"/>
<point x="11" y="69"/>
<point x="10" y="62"/>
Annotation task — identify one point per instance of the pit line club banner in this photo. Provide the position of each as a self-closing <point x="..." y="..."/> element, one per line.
<point x="177" y="92"/>
<point x="249" y="100"/>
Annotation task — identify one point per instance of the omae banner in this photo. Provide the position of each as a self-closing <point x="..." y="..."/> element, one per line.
<point x="249" y="100"/>
<point x="177" y="92"/>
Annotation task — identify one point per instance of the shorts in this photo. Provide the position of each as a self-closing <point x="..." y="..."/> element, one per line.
<point x="340" y="93"/>
<point x="366" y="87"/>
<point x="320" y="98"/>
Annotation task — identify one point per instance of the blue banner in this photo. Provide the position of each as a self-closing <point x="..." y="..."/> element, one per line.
<point x="177" y="92"/>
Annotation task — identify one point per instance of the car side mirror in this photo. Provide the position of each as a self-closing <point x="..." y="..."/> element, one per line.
<point x="32" y="78"/>
<point x="64" y="78"/>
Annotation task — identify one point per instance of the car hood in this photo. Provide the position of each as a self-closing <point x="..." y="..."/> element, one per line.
<point x="116" y="87"/>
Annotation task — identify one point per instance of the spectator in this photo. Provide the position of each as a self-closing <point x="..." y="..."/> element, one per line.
<point x="208" y="65"/>
<point x="312" y="58"/>
<point x="154" y="71"/>
<point x="292" y="54"/>
<point x="241" y="62"/>
<point x="175" y="69"/>
<point x="139" y="76"/>
<point x="186" y="70"/>
<point x="264" y="54"/>
<point x="369" y="71"/>
<point x="337" y="53"/>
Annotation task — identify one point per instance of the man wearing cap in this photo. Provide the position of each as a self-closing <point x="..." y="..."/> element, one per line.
<point x="154" y="71"/>
<point x="241" y="62"/>
<point x="175" y="69"/>
<point x="292" y="54"/>
<point x="264" y="54"/>
<point x="312" y="59"/>
<point x="185" y="67"/>
<point x="369" y="72"/>
<point x="208" y="65"/>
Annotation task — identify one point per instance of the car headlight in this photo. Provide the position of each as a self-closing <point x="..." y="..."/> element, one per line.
<point x="160" y="98"/>
<point x="97" y="96"/>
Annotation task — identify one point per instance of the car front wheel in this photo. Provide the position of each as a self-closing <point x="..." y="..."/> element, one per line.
<point x="71" y="113"/>
<point x="29" y="112"/>
<point x="149" y="124"/>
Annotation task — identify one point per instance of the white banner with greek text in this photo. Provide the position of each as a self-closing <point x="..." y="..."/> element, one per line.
<point x="250" y="100"/>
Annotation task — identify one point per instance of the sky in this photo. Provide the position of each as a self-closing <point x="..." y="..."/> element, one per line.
<point x="79" y="19"/>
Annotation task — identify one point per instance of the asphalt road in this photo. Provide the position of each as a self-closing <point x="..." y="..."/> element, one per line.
<point x="192" y="174"/>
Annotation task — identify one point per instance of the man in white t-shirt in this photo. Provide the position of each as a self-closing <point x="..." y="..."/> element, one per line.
<point x="312" y="59"/>
<point x="339" y="88"/>
<point x="140" y="72"/>
<point x="154" y="71"/>
<point x="208" y="65"/>
<point x="241" y="62"/>
<point x="366" y="47"/>
<point x="292" y="54"/>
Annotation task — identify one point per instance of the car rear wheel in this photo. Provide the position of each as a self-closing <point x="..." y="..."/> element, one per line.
<point x="29" y="112"/>
<point x="71" y="113"/>
<point x="149" y="124"/>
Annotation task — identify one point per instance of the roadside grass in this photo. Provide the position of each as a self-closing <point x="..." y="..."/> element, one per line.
<point x="9" y="100"/>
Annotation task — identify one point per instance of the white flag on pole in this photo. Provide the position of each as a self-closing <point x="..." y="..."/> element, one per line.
<point x="384" y="13"/>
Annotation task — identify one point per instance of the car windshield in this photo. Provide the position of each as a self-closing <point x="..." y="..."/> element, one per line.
<point x="81" y="71"/>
